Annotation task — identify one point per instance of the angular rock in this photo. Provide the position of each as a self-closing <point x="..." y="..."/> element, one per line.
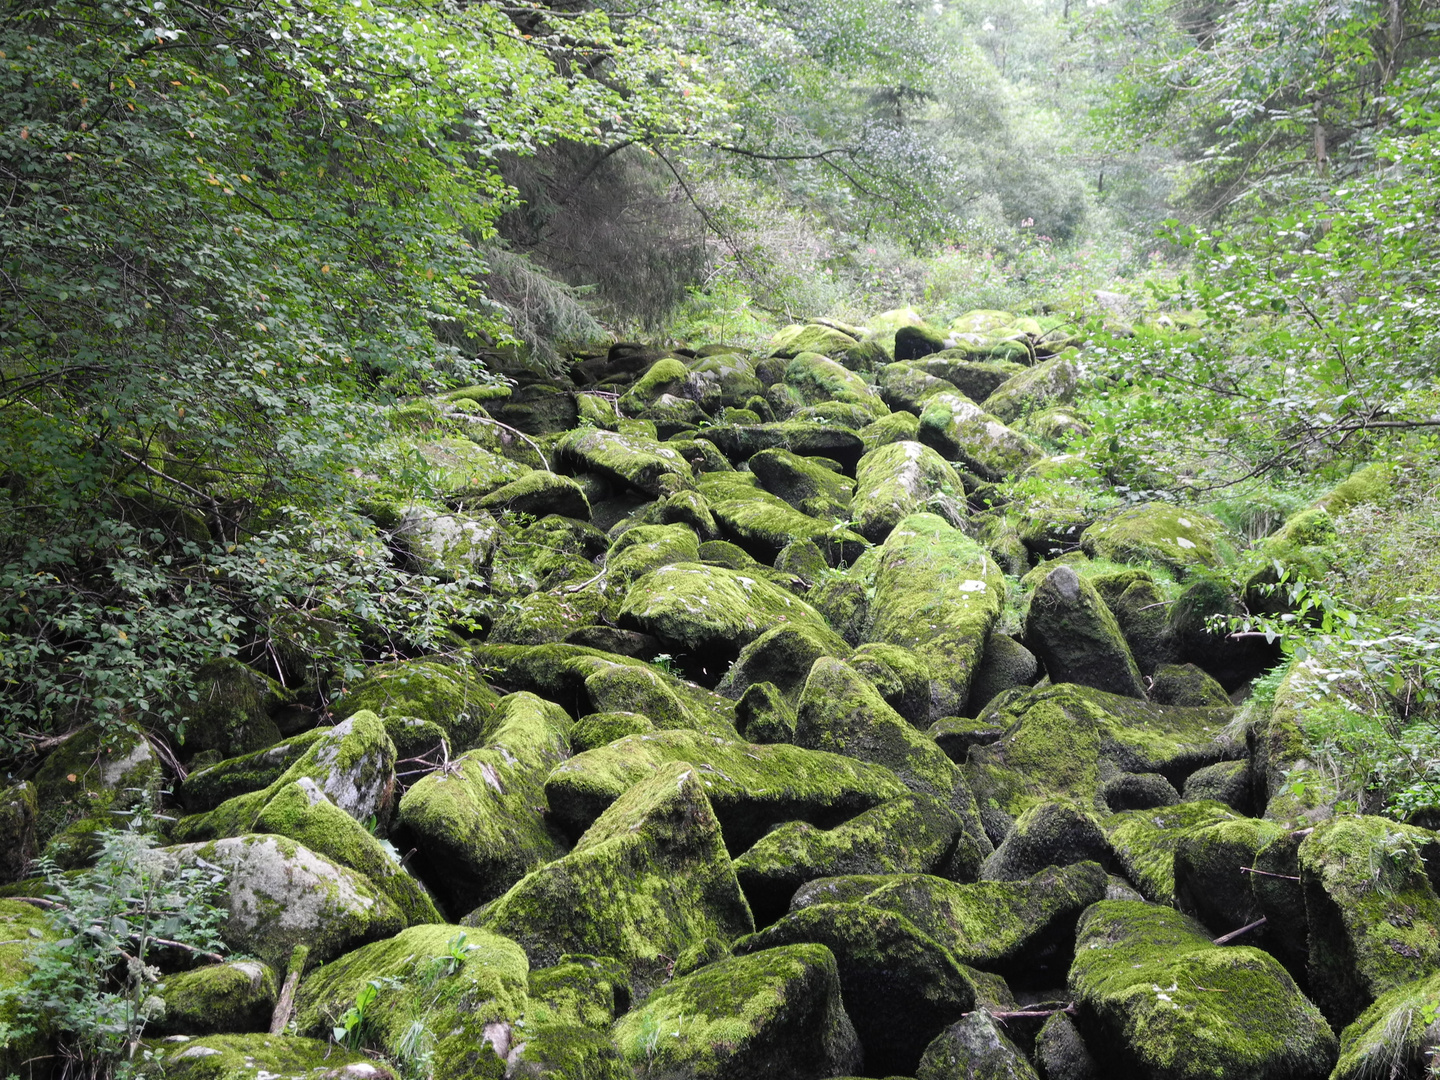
<point x="450" y="695"/>
<point x="1392" y="1038"/>
<point x="811" y="337"/>
<point x="649" y="878"/>
<point x="18" y="810"/>
<point x="723" y="381"/>
<point x="1169" y="536"/>
<point x="1138" y="791"/>
<point x="815" y="379"/>
<point x="783" y="657"/>
<point x="937" y="593"/>
<point x="764" y="714"/>
<point x="463" y="469"/>
<point x="1145" y="841"/>
<point x="914" y="834"/>
<point x="548" y="1051"/>
<point x="232" y="712"/>
<point x="1209" y="882"/>
<point x="581" y="991"/>
<point x="901" y="677"/>
<point x="244" y="1057"/>
<point x="905" y="387"/>
<point x="637" y="462"/>
<point x="740" y="442"/>
<point x="538" y="494"/>
<point x="205" y="789"/>
<point x="1060" y="1052"/>
<point x="899" y="479"/>
<point x="479" y="826"/>
<point x="1050" y="834"/>
<point x="95" y="771"/>
<point x="962" y="431"/>
<point x="236" y="997"/>
<point x="644" y="548"/>
<point x="973" y="1048"/>
<point x="805" y="484"/>
<point x="976" y="379"/>
<point x="1004" y="665"/>
<point x="752" y="787"/>
<point x="1073" y="633"/>
<point x="22" y="926"/>
<point x="776" y="1012"/>
<point x="764" y="524"/>
<point x="1186" y="684"/>
<point x="1225" y="781"/>
<point x="1050" y="383"/>
<point x="1158" y="1000"/>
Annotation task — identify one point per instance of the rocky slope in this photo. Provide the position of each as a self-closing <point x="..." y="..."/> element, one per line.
<point x="798" y="747"/>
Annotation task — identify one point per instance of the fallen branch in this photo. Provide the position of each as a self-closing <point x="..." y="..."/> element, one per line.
<point x="280" y="1018"/>
<point x="1225" y="939"/>
<point x="1267" y="873"/>
<point x="1068" y="1008"/>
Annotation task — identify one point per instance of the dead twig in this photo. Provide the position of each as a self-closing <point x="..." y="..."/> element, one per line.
<point x="1225" y="939"/>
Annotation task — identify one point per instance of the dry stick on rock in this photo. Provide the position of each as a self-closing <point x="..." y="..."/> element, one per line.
<point x="1267" y="873"/>
<point x="280" y="1019"/>
<point x="1225" y="939"/>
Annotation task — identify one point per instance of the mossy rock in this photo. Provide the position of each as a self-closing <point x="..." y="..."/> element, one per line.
<point x="1178" y="539"/>
<point x="1372" y="910"/>
<point x="976" y="379"/>
<point x="774" y="1012"/>
<point x="1231" y="660"/>
<point x="19" y="810"/>
<point x="899" y="479"/>
<point x="764" y="715"/>
<point x="448" y="694"/>
<point x="1068" y="626"/>
<point x="1004" y="665"/>
<point x="960" y="430"/>
<point x="752" y="787"/>
<point x="650" y="467"/>
<point x="281" y="894"/>
<point x="546" y="617"/>
<point x="1060" y="1052"/>
<point x="692" y="510"/>
<point x="22" y="927"/>
<point x="1140" y="610"/>
<point x="538" y="494"/>
<point x="957" y="734"/>
<point x="844" y="601"/>
<point x="938" y="594"/>
<point x="974" y="1047"/>
<point x="246" y="1057"/>
<point x="900" y="987"/>
<point x="208" y="787"/>
<point x="840" y="712"/>
<point x="602" y="728"/>
<point x="805" y="564"/>
<point x="464" y="986"/>
<point x="741" y="442"/>
<point x="644" y="548"/>
<point x="913" y="342"/>
<point x="1138" y="791"/>
<point x="352" y="764"/>
<point x="811" y="338"/>
<point x="840" y="413"/>
<point x="96" y="770"/>
<point x="696" y="608"/>
<point x="219" y="998"/>
<point x="897" y="427"/>
<point x="596" y="410"/>
<point x="666" y="376"/>
<point x="450" y="546"/>
<point x="1370" y="484"/>
<point x="579" y="990"/>
<point x="1056" y="426"/>
<point x="463" y="469"/>
<point x="1157" y="999"/>
<point x="914" y="834"/>
<point x="1209" y="881"/>
<point x="720" y="382"/>
<point x="816" y="379"/>
<point x="1050" y="383"/>
<point x="479" y="825"/>
<point x="1186" y="684"/>
<point x="880" y="329"/>
<point x="1145" y="842"/>
<point x="1024" y="929"/>
<point x="900" y="675"/>
<point x="804" y="483"/>
<point x="1227" y="782"/>
<point x="232" y="710"/>
<point x="301" y="811"/>
<point x="648" y="878"/>
<point x="563" y="1051"/>
<point x="1394" y="1037"/>
<point x="1049" y="834"/>
<point x="1063" y="741"/>
<point x="1304" y="548"/>
<point x="783" y="657"/>
<point x="764" y="524"/>
<point x="537" y="409"/>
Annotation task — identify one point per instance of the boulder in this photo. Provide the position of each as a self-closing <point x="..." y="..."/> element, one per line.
<point x="812" y="338"/>
<point x="22" y="927"/>
<point x="898" y="479"/>
<point x="464" y="470"/>
<point x="802" y="482"/>
<point x="974" y="1047"/>
<point x="95" y="771"/>
<point x="1050" y="383"/>
<point x="752" y="787"/>
<point x="1394" y="1037"/>
<point x="537" y="409"/>
<point x="782" y="657"/>
<point x="650" y="877"/>
<point x="962" y="431"/>
<point x="905" y="387"/>
<point x="538" y="494"/>
<point x="776" y="1012"/>
<point x="218" y="998"/>
<point x="723" y="381"/>
<point x="1186" y="684"/>
<point x="479" y="825"/>
<point x="1225" y="781"/>
<point x="18" y="811"/>
<point x="1160" y="533"/>
<point x="666" y="376"/>
<point x="976" y="379"/>
<point x="1004" y="665"/>
<point x="764" y="524"/>
<point x="1156" y="999"/>
<point x="1073" y="633"/>
<point x="231" y="713"/>
<point x="937" y="593"/>
<point x="900" y="676"/>
<point x="816" y="379"/>
<point x="1049" y="834"/>
<point x="1145" y="842"/>
<point x="244" y="1057"/>
<point x="1138" y="791"/>
<point x="649" y="467"/>
<point x="1209" y="881"/>
<point x="581" y="991"/>
<point x="740" y="442"/>
<point x="1060" y="1052"/>
<point x="644" y="548"/>
<point x="448" y="694"/>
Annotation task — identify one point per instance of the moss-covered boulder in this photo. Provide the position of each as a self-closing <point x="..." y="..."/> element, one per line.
<point x="22" y="926"/>
<point x="938" y="593"/>
<point x="1158" y="1000"/>
<point x="462" y="988"/>
<point x="752" y="787"/>
<point x="804" y="483"/>
<point x="231" y="712"/>
<point x="1394" y="1037"/>
<point x="247" y="1057"/>
<point x="208" y="787"/>
<point x="783" y="657"/>
<point x="897" y="427"/>
<point x="580" y="991"/>
<point x="545" y="617"/>
<point x="814" y="379"/>
<point x="913" y="342"/>
<point x="666" y="376"/>
<point x="1145" y="841"/>
<point x="1073" y="633"/>
<point x="1138" y="791"/>
<point x="18" y="812"/>
<point x="1304" y="547"/>
<point x="1050" y="383"/>
<point x="1373" y="915"/>
<point x="1048" y="834"/>
<point x="1140" y="609"/>
<point x="649" y="467"/>
<point x="899" y="479"/>
<point x="1061" y="1053"/>
<point x="353" y="764"/>
<point x="452" y="546"/>
<point x="644" y="548"/>
<point x="649" y="878"/>
<point x="811" y="338"/>
<point x="1209" y="880"/>
<point x="463" y="469"/>
<point x="538" y="494"/>
<point x="774" y="1012"/>
<point x="280" y="894"/>
<point x="1186" y="684"/>
<point x="1179" y="539"/>
<point x="740" y="442"/>
<point x="900" y="987"/>
<point x="906" y="388"/>
<point x="914" y="834"/>
<point x="723" y="381"/>
<point x="449" y="694"/>
<point x="1023" y="929"/>
<point x="1227" y="782"/>
<point x="218" y="998"/>
<point x="976" y="379"/>
<point x="544" y="1051"/>
<point x="901" y="677"/>
<point x="765" y="524"/>
<point x="974" y="1048"/>
<point x="962" y="431"/>
<point x="840" y="712"/>
<point x="702" y="609"/>
<point x="1004" y="665"/>
<point x="479" y="825"/>
<point x="94" y="771"/>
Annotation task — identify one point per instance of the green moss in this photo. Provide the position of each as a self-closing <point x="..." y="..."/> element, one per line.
<point x="913" y="834"/>
<point x="764" y="715"/>
<point x="596" y="410"/>
<point x="563" y="1052"/>
<point x="1163" y="1001"/>
<point x="219" y="998"/>
<point x="1208" y="880"/>
<point x="546" y="617"/>
<point x="633" y="460"/>
<point x="539" y="493"/>
<point x="247" y="1057"/>
<point x="450" y="695"/>
<point x="763" y="524"/>
<point x="232" y="711"/>
<point x="976" y="1045"/>
<point x="1049" y="834"/>
<point x="901" y="677"/>
<point x="649" y="877"/>
<point x="22" y="926"/>
<point x="1179" y="539"/>
<point x="665" y="376"/>
<point x="455" y="982"/>
<point x="207" y="788"/>
<point x="783" y="657"/>
<point x="1395" y="1036"/>
<point x="962" y="431"/>
<point x="1186" y="684"/>
<point x="464" y="470"/>
<point x="897" y="427"/>
<point x="95" y="771"/>
<point x="742" y="442"/>
<point x="812" y="338"/>
<point x="1068" y="626"/>
<point x="752" y="787"/>
<point x="691" y="510"/>
<point x="587" y="991"/>
<point x="648" y="547"/>
<point x="19" y="811"/>
<point x="777" y="1011"/>
<point x="901" y="478"/>
<point x="1145" y="841"/>
<point x="480" y="825"/>
<point x="817" y="379"/>
<point x="602" y="728"/>
<point x="1368" y="485"/>
<point x="1050" y="383"/>
<point x="804" y="483"/>
<point x="938" y="594"/>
